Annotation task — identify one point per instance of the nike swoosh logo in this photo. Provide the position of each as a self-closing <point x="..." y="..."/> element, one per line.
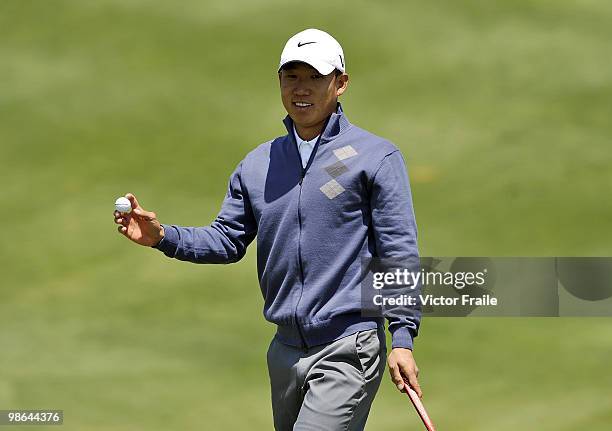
<point x="300" y="44"/>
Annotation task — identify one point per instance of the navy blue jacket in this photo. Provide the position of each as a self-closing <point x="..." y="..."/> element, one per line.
<point x="313" y="225"/>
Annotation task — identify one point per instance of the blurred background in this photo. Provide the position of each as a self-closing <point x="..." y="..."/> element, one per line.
<point x="501" y="109"/>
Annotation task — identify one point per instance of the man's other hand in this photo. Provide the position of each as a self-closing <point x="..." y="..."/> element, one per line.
<point x="139" y="225"/>
<point x="404" y="370"/>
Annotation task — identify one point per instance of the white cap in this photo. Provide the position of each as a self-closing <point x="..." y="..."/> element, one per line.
<point x="316" y="48"/>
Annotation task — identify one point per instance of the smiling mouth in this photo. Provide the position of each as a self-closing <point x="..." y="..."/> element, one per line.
<point x="302" y="105"/>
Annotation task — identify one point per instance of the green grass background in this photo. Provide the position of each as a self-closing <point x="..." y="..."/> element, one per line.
<point x="502" y="110"/>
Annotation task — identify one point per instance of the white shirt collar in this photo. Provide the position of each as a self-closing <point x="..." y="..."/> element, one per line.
<point x="300" y="141"/>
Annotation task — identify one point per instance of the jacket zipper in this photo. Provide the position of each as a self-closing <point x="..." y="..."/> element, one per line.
<point x="295" y="314"/>
<point x="303" y="174"/>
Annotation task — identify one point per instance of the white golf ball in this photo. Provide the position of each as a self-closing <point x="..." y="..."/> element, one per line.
<point x="123" y="205"/>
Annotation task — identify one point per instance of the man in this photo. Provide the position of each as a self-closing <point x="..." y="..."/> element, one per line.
<point x="319" y="200"/>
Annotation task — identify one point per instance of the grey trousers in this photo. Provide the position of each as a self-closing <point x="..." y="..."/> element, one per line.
<point x="328" y="387"/>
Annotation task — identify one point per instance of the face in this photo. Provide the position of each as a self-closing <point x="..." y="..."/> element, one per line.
<point x="309" y="97"/>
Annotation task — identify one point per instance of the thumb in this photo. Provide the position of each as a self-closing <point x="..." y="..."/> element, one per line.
<point x="133" y="200"/>
<point x="396" y="376"/>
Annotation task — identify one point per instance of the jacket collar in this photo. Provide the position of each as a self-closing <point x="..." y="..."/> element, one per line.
<point x="336" y="124"/>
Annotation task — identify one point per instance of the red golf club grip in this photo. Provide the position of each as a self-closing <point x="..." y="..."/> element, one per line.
<point x="420" y="408"/>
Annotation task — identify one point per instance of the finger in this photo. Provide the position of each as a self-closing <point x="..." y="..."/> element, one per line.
<point x="396" y="377"/>
<point x="116" y="213"/>
<point x="123" y="219"/>
<point x="133" y="200"/>
<point x="122" y="230"/>
<point x="414" y="383"/>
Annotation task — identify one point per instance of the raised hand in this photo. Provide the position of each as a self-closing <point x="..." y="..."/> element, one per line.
<point x="139" y="225"/>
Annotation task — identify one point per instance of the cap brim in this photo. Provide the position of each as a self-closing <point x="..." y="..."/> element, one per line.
<point x="322" y="67"/>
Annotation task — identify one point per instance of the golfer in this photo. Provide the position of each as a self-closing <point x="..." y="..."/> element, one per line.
<point x="319" y="200"/>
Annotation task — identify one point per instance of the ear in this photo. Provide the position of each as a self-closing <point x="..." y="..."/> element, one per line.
<point x="341" y="84"/>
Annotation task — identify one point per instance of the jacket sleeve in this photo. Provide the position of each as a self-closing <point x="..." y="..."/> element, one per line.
<point x="395" y="234"/>
<point x="227" y="237"/>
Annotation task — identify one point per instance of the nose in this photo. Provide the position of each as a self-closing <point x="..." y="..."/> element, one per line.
<point x="301" y="88"/>
<point x="301" y="91"/>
